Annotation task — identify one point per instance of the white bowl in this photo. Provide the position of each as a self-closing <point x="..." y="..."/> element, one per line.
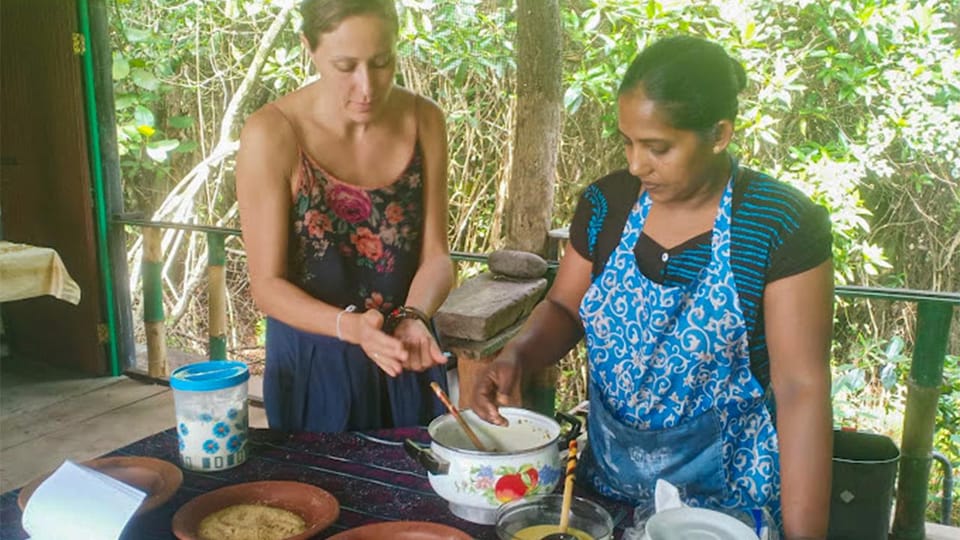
<point x="696" y="524"/>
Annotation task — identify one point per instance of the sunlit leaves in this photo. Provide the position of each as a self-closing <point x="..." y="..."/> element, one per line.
<point x="143" y="116"/>
<point x="121" y="68"/>
<point x="136" y="35"/>
<point x="180" y="122"/>
<point x="145" y="79"/>
<point x="158" y="150"/>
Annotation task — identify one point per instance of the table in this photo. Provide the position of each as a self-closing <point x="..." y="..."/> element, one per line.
<point x="27" y="271"/>
<point x="368" y="472"/>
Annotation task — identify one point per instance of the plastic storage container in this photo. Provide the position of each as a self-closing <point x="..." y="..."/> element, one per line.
<point x="211" y="404"/>
<point x="864" y="470"/>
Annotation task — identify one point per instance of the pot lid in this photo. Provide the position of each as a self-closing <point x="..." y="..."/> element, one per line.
<point x="207" y="376"/>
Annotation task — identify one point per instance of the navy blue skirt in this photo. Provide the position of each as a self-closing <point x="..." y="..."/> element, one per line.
<point x="318" y="383"/>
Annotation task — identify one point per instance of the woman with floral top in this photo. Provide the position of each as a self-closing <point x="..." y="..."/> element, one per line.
<point x="343" y="205"/>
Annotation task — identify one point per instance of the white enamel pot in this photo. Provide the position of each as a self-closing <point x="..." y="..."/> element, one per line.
<point x="524" y="459"/>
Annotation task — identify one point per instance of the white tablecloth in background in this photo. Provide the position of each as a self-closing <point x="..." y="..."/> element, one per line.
<point x="27" y="271"/>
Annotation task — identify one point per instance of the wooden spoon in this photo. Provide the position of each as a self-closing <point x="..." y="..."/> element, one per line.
<point x="456" y="414"/>
<point x="567" y="497"/>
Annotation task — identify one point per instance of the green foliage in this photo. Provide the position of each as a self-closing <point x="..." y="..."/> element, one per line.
<point x="842" y="96"/>
<point x="461" y="55"/>
<point x="175" y="66"/>
<point x="867" y="391"/>
<point x="947" y="437"/>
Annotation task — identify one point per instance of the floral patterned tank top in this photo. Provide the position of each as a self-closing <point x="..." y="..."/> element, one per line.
<point x="353" y="245"/>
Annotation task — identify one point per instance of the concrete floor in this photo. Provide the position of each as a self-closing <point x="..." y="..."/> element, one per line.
<point x="48" y="415"/>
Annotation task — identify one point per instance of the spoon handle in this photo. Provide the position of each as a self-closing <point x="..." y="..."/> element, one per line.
<point x="568" y="487"/>
<point x="456" y="414"/>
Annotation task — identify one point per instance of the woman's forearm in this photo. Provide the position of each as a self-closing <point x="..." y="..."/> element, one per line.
<point x="431" y="284"/>
<point x="278" y="298"/>
<point x="805" y="432"/>
<point x="547" y="335"/>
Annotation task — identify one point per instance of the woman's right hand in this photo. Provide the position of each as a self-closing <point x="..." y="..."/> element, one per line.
<point x="493" y="389"/>
<point x="385" y="350"/>
<point x="552" y="329"/>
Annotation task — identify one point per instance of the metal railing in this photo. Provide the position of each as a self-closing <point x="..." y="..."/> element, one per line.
<point x="934" y="314"/>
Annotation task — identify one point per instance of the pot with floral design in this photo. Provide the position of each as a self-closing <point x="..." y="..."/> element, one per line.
<point x="523" y="459"/>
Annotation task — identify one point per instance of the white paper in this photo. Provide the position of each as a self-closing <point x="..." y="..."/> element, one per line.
<point x="80" y="503"/>
<point x="666" y="496"/>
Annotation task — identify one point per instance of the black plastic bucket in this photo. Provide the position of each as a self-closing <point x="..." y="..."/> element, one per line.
<point x="864" y="471"/>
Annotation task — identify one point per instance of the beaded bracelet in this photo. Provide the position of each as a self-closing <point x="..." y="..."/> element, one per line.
<point x="406" y="312"/>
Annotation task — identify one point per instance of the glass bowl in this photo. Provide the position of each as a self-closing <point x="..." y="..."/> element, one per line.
<point x="515" y="518"/>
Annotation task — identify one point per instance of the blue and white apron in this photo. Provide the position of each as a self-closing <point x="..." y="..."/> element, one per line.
<point x="671" y="393"/>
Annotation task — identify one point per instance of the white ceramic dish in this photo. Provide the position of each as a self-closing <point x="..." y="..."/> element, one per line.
<point x="696" y="524"/>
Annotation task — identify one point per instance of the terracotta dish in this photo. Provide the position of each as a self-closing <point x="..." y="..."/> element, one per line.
<point x="317" y="507"/>
<point x="402" y="530"/>
<point x="159" y="479"/>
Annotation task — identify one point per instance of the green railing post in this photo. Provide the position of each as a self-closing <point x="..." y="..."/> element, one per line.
<point x="100" y="202"/>
<point x="919" y="421"/>
<point x="216" y="296"/>
<point x="152" y="275"/>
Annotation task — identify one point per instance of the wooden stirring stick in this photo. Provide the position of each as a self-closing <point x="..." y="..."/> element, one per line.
<point x="568" y="488"/>
<point x="456" y="414"/>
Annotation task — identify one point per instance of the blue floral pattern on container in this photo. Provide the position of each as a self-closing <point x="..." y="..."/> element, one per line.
<point x="183" y="429"/>
<point x="235" y="443"/>
<point x="221" y="429"/>
<point x="549" y="475"/>
<point x="232" y="414"/>
<point x="206" y="417"/>
<point x="211" y="446"/>
<point x="183" y="444"/>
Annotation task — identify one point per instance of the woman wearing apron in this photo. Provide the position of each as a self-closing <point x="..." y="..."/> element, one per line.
<point x="698" y="285"/>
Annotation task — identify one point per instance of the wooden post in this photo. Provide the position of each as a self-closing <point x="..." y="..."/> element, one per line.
<point x="216" y="296"/>
<point x="153" y="303"/>
<point x="100" y="47"/>
<point x="539" y="104"/>
<point x="920" y="419"/>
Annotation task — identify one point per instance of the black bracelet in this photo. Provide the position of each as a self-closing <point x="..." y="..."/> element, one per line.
<point x="406" y="312"/>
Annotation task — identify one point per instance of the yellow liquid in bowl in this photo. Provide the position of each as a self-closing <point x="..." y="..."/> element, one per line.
<point x="537" y="532"/>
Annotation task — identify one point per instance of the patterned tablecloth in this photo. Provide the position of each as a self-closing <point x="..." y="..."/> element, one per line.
<point x="369" y="474"/>
<point x="27" y="271"/>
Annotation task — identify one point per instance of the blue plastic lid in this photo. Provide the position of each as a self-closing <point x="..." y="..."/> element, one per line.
<point x="213" y="375"/>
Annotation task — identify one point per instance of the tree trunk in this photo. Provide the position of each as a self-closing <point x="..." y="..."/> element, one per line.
<point x="537" y="131"/>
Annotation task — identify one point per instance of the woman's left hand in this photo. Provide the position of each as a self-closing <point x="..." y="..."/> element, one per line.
<point x="422" y="350"/>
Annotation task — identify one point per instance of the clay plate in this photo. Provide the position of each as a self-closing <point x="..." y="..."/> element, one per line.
<point x="317" y="507"/>
<point x="402" y="530"/>
<point x="159" y="479"/>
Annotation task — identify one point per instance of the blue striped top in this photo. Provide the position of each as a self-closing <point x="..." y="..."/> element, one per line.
<point x="776" y="232"/>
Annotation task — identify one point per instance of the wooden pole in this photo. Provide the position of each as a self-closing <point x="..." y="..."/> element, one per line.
<point x="920" y="419"/>
<point x="153" y="303"/>
<point x="537" y="131"/>
<point x="216" y="296"/>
